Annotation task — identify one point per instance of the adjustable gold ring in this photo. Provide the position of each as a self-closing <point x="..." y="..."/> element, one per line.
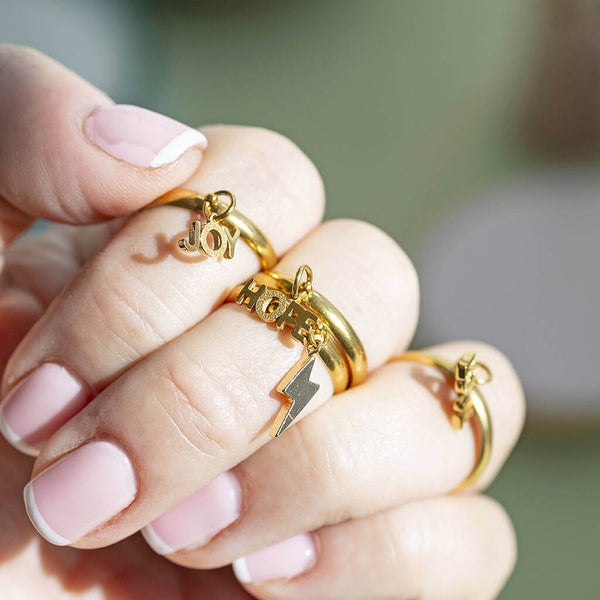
<point x="223" y="224"/>
<point x="316" y="324"/>
<point x="469" y="401"/>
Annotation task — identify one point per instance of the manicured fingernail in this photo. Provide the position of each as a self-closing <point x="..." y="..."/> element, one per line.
<point x="284" y="560"/>
<point x="81" y="491"/>
<point x="196" y="520"/>
<point x="140" y="136"/>
<point x="39" y="405"/>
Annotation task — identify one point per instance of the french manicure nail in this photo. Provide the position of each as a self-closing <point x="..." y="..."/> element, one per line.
<point x="39" y="405"/>
<point x="284" y="560"/>
<point x="140" y="136"/>
<point x="80" y="492"/>
<point x="196" y="520"/>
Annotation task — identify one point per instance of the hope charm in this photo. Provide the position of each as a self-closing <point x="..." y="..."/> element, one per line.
<point x="273" y="306"/>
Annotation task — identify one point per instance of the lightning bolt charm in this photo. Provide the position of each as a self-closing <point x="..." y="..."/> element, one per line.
<point x="298" y="388"/>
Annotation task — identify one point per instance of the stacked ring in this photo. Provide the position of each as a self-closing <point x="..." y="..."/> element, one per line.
<point x="340" y="329"/>
<point x="315" y="323"/>
<point x="469" y="401"/>
<point x="225" y="224"/>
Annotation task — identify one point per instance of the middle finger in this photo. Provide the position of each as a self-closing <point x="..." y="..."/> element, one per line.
<point x="203" y="403"/>
<point x="141" y="292"/>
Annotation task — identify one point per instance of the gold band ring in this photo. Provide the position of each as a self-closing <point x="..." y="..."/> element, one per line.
<point x="336" y="323"/>
<point x="469" y="402"/>
<point x="352" y="355"/>
<point x="222" y="220"/>
<point x="316" y="324"/>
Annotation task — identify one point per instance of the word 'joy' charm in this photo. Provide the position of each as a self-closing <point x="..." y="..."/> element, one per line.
<point x="212" y="238"/>
<point x="273" y="306"/>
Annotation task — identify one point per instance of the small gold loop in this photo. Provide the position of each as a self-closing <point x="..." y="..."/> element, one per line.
<point x="210" y="204"/>
<point x="488" y="374"/>
<point x="300" y="287"/>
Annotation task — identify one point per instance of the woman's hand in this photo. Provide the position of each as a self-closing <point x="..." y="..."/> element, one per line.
<point x="161" y="396"/>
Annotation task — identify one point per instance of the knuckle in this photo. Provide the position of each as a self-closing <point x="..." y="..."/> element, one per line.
<point x="13" y="56"/>
<point x="273" y="164"/>
<point x="203" y="406"/>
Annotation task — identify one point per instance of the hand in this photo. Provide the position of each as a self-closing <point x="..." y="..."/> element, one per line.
<point x="139" y="355"/>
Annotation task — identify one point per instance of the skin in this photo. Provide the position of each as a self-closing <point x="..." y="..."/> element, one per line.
<point x="366" y="470"/>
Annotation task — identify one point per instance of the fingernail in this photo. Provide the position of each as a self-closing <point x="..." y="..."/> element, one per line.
<point x="39" y="405"/>
<point x="140" y="136"/>
<point x="284" y="560"/>
<point x="196" y="520"/>
<point x="81" y="491"/>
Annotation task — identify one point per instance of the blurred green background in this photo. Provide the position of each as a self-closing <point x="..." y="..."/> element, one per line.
<point x="406" y="108"/>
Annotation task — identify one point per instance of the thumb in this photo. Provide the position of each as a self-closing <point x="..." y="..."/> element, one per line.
<point x="68" y="154"/>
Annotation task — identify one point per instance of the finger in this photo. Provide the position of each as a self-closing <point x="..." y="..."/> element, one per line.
<point x="68" y="154"/>
<point x="204" y="402"/>
<point x="128" y="300"/>
<point x="37" y="267"/>
<point x="453" y="548"/>
<point x="381" y="444"/>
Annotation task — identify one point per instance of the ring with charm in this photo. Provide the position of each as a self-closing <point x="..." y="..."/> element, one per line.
<point x="315" y="323"/>
<point x="218" y="235"/>
<point x="468" y="404"/>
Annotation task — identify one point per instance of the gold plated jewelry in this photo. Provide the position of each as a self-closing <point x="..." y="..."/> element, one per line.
<point x="469" y="401"/>
<point x="223" y="226"/>
<point x="315" y="323"/>
<point x="340" y="329"/>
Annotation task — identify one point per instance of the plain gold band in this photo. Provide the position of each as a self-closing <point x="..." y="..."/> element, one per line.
<point x="480" y="411"/>
<point x="249" y="232"/>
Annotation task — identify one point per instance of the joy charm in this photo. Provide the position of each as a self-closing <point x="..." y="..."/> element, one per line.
<point x="212" y="238"/>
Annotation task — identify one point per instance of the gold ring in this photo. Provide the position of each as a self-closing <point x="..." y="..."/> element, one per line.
<point x="337" y="325"/>
<point x="469" y="402"/>
<point x="223" y="223"/>
<point x="316" y="324"/>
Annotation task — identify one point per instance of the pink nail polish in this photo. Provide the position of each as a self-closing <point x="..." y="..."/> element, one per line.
<point x="39" y="405"/>
<point x="284" y="560"/>
<point x="140" y="136"/>
<point x="80" y="492"/>
<point x="196" y="520"/>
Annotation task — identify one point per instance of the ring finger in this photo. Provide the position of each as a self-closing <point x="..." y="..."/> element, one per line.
<point x="141" y="291"/>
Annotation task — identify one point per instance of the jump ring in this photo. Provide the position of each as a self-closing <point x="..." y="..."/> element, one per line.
<point x="298" y="286"/>
<point x="211" y="199"/>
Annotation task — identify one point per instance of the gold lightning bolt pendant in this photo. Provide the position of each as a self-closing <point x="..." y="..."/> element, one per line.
<point x="299" y="390"/>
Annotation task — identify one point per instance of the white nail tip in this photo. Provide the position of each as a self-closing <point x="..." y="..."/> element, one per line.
<point x="155" y="541"/>
<point x="178" y="145"/>
<point x="240" y="569"/>
<point x="14" y="440"/>
<point x="39" y="522"/>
